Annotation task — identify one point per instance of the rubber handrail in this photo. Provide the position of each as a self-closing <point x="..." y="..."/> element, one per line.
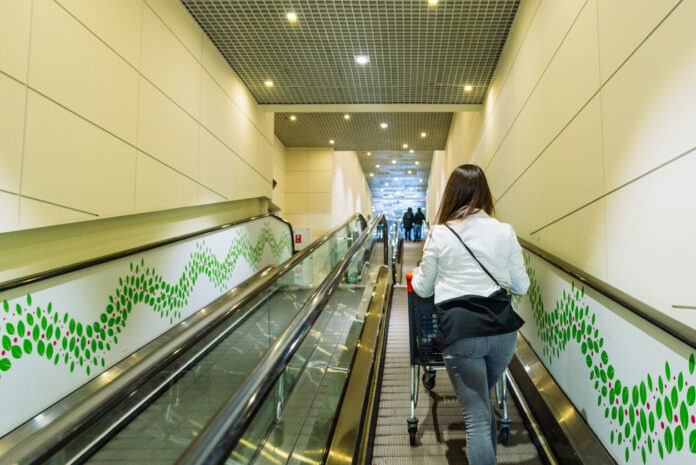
<point x="672" y="326"/>
<point x="217" y="439"/>
<point x="52" y="273"/>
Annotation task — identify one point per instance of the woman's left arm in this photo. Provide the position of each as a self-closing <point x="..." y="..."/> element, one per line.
<point x="424" y="275"/>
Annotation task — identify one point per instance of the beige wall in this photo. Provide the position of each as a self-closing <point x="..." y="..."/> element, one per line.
<point x="588" y="140"/>
<point x="350" y="193"/>
<point x="308" y="174"/>
<point x="112" y="108"/>
<point x="322" y="188"/>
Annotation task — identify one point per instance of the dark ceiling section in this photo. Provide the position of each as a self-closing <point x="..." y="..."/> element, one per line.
<point x="419" y="55"/>
<point x="363" y="131"/>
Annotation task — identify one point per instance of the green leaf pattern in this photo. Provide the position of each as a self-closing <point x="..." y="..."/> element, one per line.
<point x="656" y="416"/>
<point x="56" y="335"/>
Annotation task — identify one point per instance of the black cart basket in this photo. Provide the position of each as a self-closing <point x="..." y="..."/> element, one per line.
<point x="426" y="352"/>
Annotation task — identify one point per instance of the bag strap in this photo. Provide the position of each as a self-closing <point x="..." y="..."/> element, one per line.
<point x="474" y="256"/>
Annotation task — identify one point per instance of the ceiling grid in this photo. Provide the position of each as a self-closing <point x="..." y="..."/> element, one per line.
<point x="418" y="55"/>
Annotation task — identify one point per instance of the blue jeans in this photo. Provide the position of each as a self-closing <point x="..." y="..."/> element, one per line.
<point x="417" y="231"/>
<point x="474" y="365"/>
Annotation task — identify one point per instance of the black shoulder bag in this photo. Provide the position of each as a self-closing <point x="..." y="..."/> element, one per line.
<point x="475" y="315"/>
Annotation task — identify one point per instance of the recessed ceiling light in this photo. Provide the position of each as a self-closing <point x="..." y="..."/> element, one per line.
<point x="362" y="59"/>
<point x="293" y="117"/>
<point x="468" y="88"/>
<point x="405" y="146"/>
<point x="372" y="174"/>
<point x="384" y="125"/>
<point x="410" y="172"/>
<point x="331" y="142"/>
<point x="369" y="153"/>
<point x="377" y="166"/>
<point x="417" y="163"/>
<point x="420" y="180"/>
<point x="393" y="162"/>
<point x="396" y="179"/>
<point x="386" y="183"/>
<point x="268" y="83"/>
<point x="292" y="16"/>
<point x="346" y="116"/>
<point x="423" y="134"/>
<point x="432" y="2"/>
<point x="410" y="151"/>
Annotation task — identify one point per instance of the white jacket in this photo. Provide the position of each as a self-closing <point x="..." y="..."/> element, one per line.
<point x="448" y="270"/>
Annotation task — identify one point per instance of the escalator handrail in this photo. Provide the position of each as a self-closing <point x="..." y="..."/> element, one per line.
<point x="217" y="439"/>
<point x="672" y="326"/>
<point x="35" y="440"/>
<point x="52" y="273"/>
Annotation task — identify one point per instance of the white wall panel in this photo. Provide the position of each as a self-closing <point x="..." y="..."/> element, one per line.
<point x="529" y="65"/>
<point x="35" y="214"/>
<point x="573" y="76"/>
<point x="297" y="181"/>
<point x="251" y="183"/>
<point x="118" y="24"/>
<point x="556" y="19"/>
<point x="180" y="22"/>
<point x="575" y="163"/>
<point x="158" y="187"/>
<point x="296" y="160"/>
<point x="206" y="196"/>
<point x="9" y="212"/>
<point x="12" y="102"/>
<point x="217" y="113"/>
<point x="218" y="166"/>
<point x="296" y="203"/>
<point x="501" y="172"/>
<point x="70" y="162"/>
<point x="169" y="65"/>
<point x="15" y="20"/>
<point x="580" y="239"/>
<point x="651" y="229"/>
<point x="318" y="181"/>
<point x="104" y="92"/>
<point x="166" y="132"/>
<point x="623" y="25"/>
<point x="320" y="203"/>
<point x="649" y="106"/>
<point x="530" y="132"/>
<point x="320" y="160"/>
<point x="526" y="200"/>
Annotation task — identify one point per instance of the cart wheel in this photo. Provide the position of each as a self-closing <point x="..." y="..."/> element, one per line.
<point x="428" y="380"/>
<point x="412" y="430"/>
<point x="504" y="436"/>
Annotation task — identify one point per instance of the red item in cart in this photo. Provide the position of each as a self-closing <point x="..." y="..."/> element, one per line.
<point x="409" y="277"/>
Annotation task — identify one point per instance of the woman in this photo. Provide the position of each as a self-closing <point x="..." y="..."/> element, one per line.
<point x="479" y="348"/>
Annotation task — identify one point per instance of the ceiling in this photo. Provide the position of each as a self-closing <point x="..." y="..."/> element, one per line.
<point x="421" y="57"/>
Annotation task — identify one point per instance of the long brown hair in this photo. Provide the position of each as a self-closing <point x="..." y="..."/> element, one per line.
<point x="466" y="192"/>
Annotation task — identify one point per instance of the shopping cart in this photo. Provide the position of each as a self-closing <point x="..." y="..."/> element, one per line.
<point x="426" y="352"/>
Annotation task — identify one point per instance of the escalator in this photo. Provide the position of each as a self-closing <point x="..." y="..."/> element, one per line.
<point x="287" y="337"/>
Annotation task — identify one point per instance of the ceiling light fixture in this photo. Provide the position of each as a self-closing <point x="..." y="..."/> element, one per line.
<point x="362" y="59"/>
<point x="423" y="134"/>
<point x="410" y="172"/>
<point x="417" y="163"/>
<point x="405" y="146"/>
<point x="292" y="16"/>
<point x="293" y="117"/>
<point x="377" y="166"/>
<point x="346" y="116"/>
<point x="468" y="88"/>
<point x="268" y="83"/>
<point x="410" y="151"/>
<point x="393" y="162"/>
<point x="420" y="180"/>
<point x="384" y="125"/>
<point x="432" y="3"/>
<point x="331" y="142"/>
<point x="369" y="153"/>
<point x="372" y="174"/>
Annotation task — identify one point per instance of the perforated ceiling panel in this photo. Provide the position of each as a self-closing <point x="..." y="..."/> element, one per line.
<point x="418" y="54"/>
